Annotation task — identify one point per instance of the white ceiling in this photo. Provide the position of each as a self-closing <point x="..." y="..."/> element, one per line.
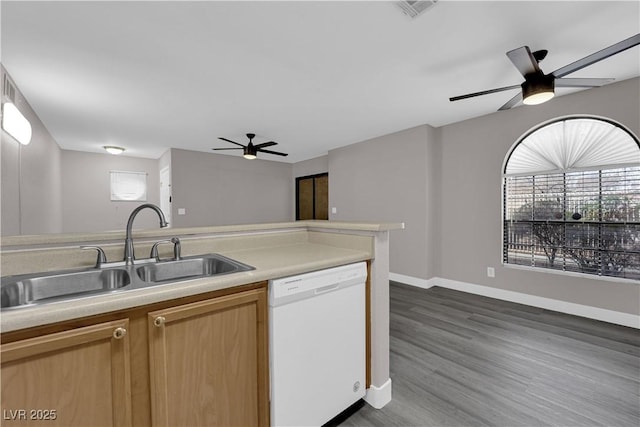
<point x="312" y="76"/>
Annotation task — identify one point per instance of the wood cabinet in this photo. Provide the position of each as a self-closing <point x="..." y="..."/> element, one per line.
<point x="197" y="361"/>
<point x="208" y="362"/>
<point x="79" y="377"/>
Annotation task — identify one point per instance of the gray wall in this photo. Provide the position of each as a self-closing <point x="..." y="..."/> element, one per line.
<point x="217" y="189"/>
<point x="473" y="152"/>
<point x="31" y="184"/>
<point x="10" y="191"/>
<point x="86" y="192"/>
<point x="311" y="167"/>
<point x="392" y="178"/>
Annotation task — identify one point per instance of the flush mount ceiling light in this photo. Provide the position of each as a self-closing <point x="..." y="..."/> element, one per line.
<point x="112" y="149"/>
<point x="15" y="124"/>
<point x="537" y="89"/>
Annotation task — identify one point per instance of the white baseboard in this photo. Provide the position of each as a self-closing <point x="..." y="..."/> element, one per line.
<point x="379" y="396"/>
<point x="413" y="281"/>
<point x="616" y="317"/>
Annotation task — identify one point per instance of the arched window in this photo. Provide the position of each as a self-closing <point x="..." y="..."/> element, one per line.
<point x="572" y="199"/>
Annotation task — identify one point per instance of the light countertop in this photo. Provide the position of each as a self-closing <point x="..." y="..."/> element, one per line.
<point x="269" y="263"/>
<point x="9" y="242"/>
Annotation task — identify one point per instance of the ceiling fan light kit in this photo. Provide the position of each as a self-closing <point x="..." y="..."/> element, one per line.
<point x="249" y="154"/>
<point x="538" y="89"/>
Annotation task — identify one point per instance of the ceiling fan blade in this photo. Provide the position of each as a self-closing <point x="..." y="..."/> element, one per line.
<point x="484" y="92"/>
<point x="234" y="148"/>
<point x="582" y="82"/>
<point x="512" y="102"/>
<point x="524" y="60"/>
<point x="266" y="144"/>
<point x="598" y="56"/>
<point x="228" y="140"/>
<point x="272" y="152"/>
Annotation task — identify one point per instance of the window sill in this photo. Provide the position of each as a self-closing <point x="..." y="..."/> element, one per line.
<point x="571" y="274"/>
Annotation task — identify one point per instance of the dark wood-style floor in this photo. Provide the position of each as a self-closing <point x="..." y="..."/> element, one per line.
<point x="459" y="359"/>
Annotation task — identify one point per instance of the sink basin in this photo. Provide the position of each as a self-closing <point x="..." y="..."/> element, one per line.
<point x="40" y="288"/>
<point x="189" y="267"/>
<point x="23" y="290"/>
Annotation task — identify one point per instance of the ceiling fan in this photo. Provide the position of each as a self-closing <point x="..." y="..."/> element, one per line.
<point x="250" y="150"/>
<point x="539" y="87"/>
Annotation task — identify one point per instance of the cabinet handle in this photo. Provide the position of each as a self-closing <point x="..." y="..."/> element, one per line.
<point x="159" y="321"/>
<point x="119" y="333"/>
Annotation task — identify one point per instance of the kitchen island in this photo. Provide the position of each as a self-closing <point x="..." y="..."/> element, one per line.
<point x="275" y="250"/>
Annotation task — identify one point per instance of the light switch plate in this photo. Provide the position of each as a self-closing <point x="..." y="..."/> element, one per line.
<point x="182" y="211"/>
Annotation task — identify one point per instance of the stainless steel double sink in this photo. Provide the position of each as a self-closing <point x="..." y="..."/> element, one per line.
<point x="32" y="289"/>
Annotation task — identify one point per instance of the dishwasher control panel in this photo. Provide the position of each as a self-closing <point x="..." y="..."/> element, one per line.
<point x="304" y="285"/>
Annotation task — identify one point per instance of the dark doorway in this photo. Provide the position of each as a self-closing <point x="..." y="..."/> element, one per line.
<point x="312" y="197"/>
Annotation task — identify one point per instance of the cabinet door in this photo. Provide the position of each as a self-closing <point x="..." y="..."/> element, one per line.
<point x="208" y="362"/>
<point x="78" y="377"/>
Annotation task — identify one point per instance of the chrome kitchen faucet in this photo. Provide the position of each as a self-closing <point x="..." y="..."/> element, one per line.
<point x="129" y="255"/>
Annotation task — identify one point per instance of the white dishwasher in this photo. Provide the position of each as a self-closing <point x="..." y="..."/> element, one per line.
<point x="316" y="344"/>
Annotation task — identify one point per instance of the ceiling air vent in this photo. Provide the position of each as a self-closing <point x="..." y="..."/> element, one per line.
<point x="415" y="8"/>
<point x="8" y="89"/>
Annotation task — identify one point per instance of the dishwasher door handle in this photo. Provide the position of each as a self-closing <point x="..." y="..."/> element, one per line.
<point x="327" y="288"/>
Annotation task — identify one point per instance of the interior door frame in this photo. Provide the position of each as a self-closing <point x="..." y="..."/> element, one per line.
<point x="165" y="185"/>
<point x="298" y="179"/>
